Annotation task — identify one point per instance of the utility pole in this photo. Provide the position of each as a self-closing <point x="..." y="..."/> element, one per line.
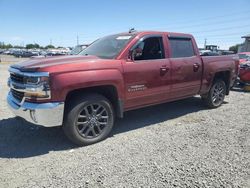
<point x="77" y="40"/>
<point x="50" y="41"/>
<point x="205" y="43"/>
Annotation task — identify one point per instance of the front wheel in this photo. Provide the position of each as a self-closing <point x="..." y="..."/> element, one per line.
<point x="216" y="94"/>
<point x="89" y="119"/>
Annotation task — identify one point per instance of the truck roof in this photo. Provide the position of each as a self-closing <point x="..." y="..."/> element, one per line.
<point x="157" y="32"/>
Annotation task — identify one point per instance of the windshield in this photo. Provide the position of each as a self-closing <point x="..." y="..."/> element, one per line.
<point x="108" y="47"/>
<point x="243" y="56"/>
<point x="76" y="50"/>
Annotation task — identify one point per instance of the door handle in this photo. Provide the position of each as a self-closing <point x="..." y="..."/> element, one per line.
<point x="196" y="67"/>
<point x="163" y="70"/>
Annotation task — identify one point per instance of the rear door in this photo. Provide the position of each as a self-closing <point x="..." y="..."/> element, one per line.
<point x="186" y="69"/>
<point x="147" y="77"/>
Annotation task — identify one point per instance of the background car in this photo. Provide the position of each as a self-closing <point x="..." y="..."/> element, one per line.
<point x="244" y="72"/>
<point x="2" y="51"/>
<point x="244" y="56"/>
<point x="77" y="49"/>
<point x="208" y="53"/>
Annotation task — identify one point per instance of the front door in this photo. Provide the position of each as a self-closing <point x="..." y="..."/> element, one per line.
<point x="147" y="76"/>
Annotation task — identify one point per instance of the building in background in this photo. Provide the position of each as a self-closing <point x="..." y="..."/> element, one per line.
<point x="245" y="47"/>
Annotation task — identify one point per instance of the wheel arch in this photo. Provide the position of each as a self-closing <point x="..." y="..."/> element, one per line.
<point x="225" y="76"/>
<point x="108" y="91"/>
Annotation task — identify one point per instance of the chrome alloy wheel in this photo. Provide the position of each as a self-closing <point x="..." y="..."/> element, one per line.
<point x="218" y="94"/>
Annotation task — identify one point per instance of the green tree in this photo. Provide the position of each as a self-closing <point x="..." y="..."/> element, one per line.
<point x="5" y="46"/>
<point x="31" y="46"/>
<point x="49" y="46"/>
<point x="234" y="48"/>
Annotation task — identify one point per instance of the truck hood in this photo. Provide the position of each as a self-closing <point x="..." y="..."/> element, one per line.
<point x="63" y="63"/>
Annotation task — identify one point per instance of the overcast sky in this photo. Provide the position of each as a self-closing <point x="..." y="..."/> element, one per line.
<point x="60" y="21"/>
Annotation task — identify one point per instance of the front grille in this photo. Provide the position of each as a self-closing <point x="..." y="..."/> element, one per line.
<point x="17" y="78"/>
<point x="17" y="94"/>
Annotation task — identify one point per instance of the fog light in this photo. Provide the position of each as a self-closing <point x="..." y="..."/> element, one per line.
<point x="33" y="115"/>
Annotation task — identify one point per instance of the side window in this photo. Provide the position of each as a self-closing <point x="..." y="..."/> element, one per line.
<point x="149" y="48"/>
<point x="181" y="47"/>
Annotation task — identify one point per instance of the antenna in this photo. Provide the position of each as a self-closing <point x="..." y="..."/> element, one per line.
<point x="131" y="30"/>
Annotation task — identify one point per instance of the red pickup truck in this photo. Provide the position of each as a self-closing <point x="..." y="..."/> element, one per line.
<point x="85" y="93"/>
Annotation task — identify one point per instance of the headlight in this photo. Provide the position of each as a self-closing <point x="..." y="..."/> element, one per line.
<point x="37" y="88"/>
<point x="32" y="80"/>
<point x="29" y="85"/>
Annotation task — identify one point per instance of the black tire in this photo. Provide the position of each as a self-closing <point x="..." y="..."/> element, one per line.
<point x="88" y="119"/>
<point x="216" y="94"/>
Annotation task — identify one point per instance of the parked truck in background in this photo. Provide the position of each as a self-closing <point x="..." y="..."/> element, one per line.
<point x="85" y="93"/>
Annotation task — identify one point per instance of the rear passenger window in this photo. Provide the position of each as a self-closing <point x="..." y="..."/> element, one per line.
<point x="181" y="47"/>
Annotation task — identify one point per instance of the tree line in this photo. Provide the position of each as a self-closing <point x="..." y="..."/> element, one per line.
<point x="33" y="46"/>
<point x="28" y="46"/>
<point x="234" y="48"/>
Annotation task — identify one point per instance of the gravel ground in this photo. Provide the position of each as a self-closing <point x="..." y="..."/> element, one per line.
<point x="178" y="144"/>
<point x="10" y="59"/>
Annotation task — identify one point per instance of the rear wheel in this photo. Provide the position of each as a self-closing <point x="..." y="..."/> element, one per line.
<point x="89" y="119"/>
<point x="216" y="94"/>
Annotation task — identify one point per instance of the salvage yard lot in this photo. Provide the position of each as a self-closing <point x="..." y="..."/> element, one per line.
<point x="174" y="144"/>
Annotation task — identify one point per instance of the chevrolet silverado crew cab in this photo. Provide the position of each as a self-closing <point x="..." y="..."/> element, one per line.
<point x="85" y="93"/>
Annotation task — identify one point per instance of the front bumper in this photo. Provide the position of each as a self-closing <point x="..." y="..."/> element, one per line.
<point x="45" y="114"/>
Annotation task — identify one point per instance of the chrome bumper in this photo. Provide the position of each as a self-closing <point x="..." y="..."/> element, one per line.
<point x="45" y="114"/>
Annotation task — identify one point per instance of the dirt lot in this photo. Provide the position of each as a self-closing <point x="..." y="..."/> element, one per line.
<point x="10" y="59"/>
<point x="178" y="144"/>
